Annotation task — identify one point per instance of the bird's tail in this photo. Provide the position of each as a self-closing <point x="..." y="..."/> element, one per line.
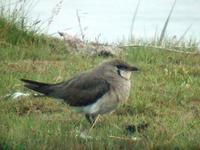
<point x="44" y="88"/>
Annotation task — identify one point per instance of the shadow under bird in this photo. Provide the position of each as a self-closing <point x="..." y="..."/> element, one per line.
<point x="93" y="92"/>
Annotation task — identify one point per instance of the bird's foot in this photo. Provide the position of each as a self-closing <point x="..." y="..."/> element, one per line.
<point x="94" y="122"/>
<point x="90" y="118"/>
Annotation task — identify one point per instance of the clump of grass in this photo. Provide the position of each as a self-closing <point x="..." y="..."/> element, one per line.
<point x="11" y="33"/>
<point x="14" y="24"/>
<point x="18" y="37"/>
<point x="163" y="41"/>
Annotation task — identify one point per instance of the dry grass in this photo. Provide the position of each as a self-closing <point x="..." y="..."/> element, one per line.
<point x="164" y="94"/>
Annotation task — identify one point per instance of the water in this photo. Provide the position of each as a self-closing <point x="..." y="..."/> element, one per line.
<point x="111" y="19"/>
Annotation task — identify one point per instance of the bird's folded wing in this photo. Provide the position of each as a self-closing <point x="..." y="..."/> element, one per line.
<point x="81" y="90"/>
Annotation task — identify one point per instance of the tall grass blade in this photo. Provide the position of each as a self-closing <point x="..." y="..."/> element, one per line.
<point x="166" y="24"/>
<point x="80" y="26"/>
<point x="183" y="35"/>
<point x="133" y="20"/>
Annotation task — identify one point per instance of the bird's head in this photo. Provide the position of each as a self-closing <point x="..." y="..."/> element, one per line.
<point x="119" y="67"/>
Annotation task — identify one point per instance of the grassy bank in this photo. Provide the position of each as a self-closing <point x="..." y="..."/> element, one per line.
<point x="165" y="94"/>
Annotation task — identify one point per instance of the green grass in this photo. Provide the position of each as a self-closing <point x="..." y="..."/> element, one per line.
<point x="165" y="94"/>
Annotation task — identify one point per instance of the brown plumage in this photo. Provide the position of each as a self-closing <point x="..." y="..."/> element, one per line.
<point x="93" y="92"/>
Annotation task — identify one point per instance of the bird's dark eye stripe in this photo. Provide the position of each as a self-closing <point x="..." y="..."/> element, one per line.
<point x="122" y="67"/>
<point x="118" y="72"/>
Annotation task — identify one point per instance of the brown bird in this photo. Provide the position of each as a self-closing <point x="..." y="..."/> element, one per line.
<point x="93" y="92"/>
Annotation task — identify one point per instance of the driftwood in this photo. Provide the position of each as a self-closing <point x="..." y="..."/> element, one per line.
<point x="75" y="45"/>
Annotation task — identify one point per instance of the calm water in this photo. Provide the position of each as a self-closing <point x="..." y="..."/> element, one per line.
<point x="111" y="19"/>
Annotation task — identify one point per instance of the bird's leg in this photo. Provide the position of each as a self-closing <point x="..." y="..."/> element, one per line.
<point x="90" y="118"/>
<point x="94" y="122"/>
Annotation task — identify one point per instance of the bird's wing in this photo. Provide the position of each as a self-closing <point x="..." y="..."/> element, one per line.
<point x="81" y="90"/>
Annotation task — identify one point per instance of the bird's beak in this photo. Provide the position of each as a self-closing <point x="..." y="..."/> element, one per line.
<point x="134" y="68"/>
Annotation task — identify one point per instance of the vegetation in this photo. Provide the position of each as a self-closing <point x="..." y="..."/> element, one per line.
<point x="164" y="94"/>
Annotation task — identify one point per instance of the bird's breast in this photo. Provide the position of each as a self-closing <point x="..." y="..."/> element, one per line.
<point x="122" y="90"/>
<point x="118" y="93"/>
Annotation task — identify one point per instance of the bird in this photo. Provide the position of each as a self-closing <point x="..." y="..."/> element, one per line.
<point x="94" y="92"/>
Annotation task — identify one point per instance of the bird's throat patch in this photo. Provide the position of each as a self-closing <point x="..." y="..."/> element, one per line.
<point x="125" y="74"/>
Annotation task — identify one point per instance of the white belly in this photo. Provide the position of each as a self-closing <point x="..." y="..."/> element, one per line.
<point x="109" y="101"/>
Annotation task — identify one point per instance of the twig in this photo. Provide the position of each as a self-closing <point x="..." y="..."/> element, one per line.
<point x="95" y="122"/>
<point x="174" y="136"/>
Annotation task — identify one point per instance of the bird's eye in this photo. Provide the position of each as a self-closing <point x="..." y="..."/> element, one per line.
<point x="122" y="67"/>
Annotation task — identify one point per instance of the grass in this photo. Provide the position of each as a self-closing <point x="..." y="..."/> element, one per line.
<point x="165" y="94"/>
<point x="166" y="24"/>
